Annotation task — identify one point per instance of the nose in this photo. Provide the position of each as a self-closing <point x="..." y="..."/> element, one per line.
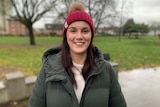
<point x="79" y="35"/>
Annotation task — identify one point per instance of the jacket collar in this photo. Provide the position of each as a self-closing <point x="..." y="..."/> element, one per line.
<point x="56" y="70"/>
<point x="58" y="73"/>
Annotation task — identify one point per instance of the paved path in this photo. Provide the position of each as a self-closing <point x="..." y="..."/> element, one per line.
<point x="141" y="87"/>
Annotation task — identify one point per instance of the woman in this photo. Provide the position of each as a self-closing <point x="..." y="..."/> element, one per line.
<point x="75" y="74"/>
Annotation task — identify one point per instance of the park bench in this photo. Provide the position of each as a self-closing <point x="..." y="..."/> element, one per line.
<point x="113" y="64"/>
<point x="106" y="56"/>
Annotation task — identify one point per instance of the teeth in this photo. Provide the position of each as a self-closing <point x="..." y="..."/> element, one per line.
<point x="79" y="43"/>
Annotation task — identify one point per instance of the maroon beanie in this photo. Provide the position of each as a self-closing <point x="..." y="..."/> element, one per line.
<point x="77" y="15"/>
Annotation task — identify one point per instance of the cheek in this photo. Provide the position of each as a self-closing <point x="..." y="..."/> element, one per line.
<point x="88" y="38"/>
<point x="69" y="37"/>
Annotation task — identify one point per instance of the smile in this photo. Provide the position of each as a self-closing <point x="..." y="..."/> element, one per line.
<point x="79" y="43"/>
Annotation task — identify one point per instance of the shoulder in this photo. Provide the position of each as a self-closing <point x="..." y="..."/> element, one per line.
<point x="52" y="62"/>
<point x="51" y="58"/>
<point x="51" y="53"/>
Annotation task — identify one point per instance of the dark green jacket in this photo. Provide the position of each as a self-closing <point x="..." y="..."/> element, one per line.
<point x="53" y="87"/>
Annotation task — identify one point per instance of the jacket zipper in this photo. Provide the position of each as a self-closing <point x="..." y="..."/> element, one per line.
<point x="88" y="81"/>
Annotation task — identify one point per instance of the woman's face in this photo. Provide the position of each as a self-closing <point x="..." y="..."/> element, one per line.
<point x="79" y="37"/>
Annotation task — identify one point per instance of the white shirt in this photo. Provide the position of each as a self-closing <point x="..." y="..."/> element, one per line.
<point x="77" y="69"/>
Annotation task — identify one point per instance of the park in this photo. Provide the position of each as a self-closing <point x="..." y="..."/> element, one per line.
<point x="130" y="39"/>
<point x="16" y="55"/>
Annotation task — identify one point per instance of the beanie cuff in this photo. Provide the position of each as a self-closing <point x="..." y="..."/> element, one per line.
<point x="76" y="15"/>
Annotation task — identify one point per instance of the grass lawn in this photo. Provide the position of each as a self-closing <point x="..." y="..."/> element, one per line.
<point x="17" y="54"/>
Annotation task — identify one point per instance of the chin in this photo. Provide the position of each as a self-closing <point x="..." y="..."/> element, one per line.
<point x="80" y="51"/>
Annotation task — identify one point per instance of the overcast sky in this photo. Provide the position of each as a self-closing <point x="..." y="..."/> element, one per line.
<point x="146" y="11"/>
<point x="142" y="11"/>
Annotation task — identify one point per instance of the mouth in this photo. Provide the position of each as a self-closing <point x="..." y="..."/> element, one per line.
<point x="79" y="43"/>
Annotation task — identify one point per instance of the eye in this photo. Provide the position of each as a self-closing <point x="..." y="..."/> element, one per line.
<point x="72" y="30"/>
<point x="86" y="30"/>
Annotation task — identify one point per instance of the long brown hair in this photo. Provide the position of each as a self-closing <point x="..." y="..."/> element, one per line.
<point x="67" y="60"/>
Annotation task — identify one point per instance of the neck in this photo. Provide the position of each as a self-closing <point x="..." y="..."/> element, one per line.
<point x="79" y="58"/>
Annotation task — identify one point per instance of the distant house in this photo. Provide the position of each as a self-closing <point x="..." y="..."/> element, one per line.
<point x="108" y="31"/>
<point x="154" y="32"/>
<point x="3" y="27"/>
<point x="53" y="29"/>
<point x="5" y="7"/>
<point x="3" y="24"/>
<point x="38" y="31"/>
<point x="16" y="28"/>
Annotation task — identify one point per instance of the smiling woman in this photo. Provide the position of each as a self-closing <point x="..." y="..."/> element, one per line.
<point x="75" y="72"/>
<point x="79" y="38"/>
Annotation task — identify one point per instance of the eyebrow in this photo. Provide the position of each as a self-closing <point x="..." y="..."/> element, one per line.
<point x="82" y="28"/>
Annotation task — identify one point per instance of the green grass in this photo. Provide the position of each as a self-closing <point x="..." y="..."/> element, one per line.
<point x="16" y="52"/>
<point x="131" y="53"/>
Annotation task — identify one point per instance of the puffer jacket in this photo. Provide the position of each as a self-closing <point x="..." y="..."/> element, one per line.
<point x="53" y="87"/>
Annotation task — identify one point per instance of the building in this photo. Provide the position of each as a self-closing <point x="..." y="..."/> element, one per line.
<point x="53" y="29"/>
<point x="4" y="9"/>
<point x="108" y="31"/>
<point x="154" y="32"/>
<point x="3" y="25"/>
<point x="16" y="28"/>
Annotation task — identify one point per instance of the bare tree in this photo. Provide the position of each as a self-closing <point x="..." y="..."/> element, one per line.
<point x="101" y="11"/>
<point x="30" y="11"/>
<point x="123" y="10"/>
<point x="121" y="19"/>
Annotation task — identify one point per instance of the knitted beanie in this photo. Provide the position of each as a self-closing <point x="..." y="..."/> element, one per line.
<point x="77" y="13"/>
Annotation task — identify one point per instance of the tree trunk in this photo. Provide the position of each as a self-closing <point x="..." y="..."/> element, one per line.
<point x="31" y="36"/>
<point x="136" y="35"/>
<point x="120" y="33"/>
<point x="154" y="32"/>
<point x="129" y="35"/>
